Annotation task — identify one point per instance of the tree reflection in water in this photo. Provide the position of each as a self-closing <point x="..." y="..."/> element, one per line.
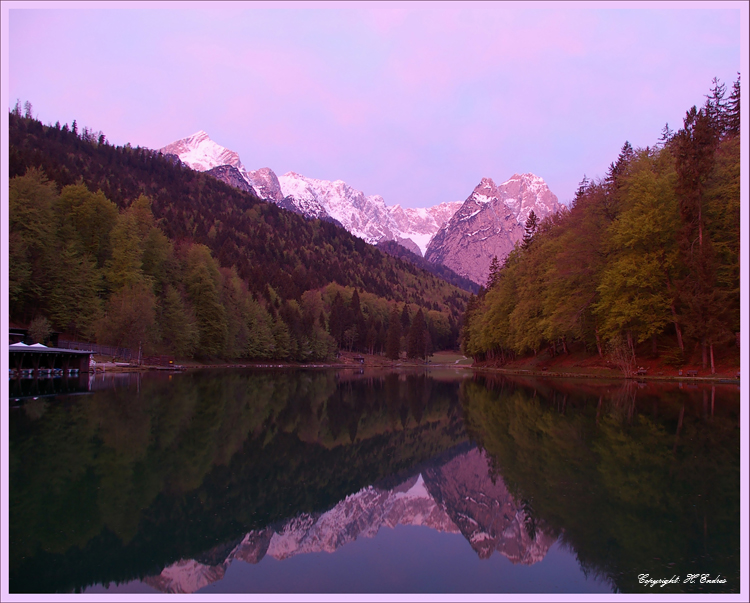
<point x="124" y="483"/>
<point x="636" y="480"/>
<point x="118" y="484"/>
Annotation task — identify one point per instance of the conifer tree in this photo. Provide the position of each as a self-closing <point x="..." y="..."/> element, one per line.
<point x="177" y="324"/>
<point x="494" y="274"/>
<point x="733" y="109"/>
<point x="716" y="107"/>
<point x="393" y="342"/>
<point x="530" y="227"/>
<point x="696" y="146"/>
<point x="405" y="319"/>
<point x="415" y="341"/>
<point x="666" y="135"/>
<point x="337" y="319"/>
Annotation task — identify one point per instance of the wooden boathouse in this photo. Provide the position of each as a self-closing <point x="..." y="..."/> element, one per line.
<point x="38" y="360"/>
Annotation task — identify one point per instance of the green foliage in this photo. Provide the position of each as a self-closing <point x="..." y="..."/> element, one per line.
<point x="127" y="217"/>
<point x="203" y="286"/>
<point x="179" y="331"/>
<point x="652" y="250"/>
<point x="130" y="318"/>
<point x="31" y="240"/>
<point x="86" y="220"/>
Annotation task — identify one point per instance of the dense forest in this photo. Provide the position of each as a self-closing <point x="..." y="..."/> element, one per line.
<point x="645" y="261"/>
<point x="120" y="246"/>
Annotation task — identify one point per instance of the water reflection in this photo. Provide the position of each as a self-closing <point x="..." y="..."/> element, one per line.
<point x="637" y="480"/>
<point x="172" y="480"/>
<point x="120" y="483"/>
<point x="456" y="497"/>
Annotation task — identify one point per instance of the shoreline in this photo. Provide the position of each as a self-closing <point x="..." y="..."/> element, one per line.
<point x="722" y="378"/>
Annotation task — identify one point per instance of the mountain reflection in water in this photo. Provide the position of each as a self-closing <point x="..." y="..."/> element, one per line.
<point x="456" y="497"/>
<point x="178" y="482"/>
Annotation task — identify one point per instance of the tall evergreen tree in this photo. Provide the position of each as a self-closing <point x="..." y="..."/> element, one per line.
<point x="733" y="109"/>
<point x="532" y="222"/>
<point x="716" y="107"/>
<point x="415" y="341"/>
<point x="393" y="341"/>
<point x="494" y="275"/>
<point x="405" y="319"/>
<point x="337" y="319"/>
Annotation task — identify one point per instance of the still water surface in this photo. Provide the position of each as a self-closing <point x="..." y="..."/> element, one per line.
<point x="340" y="481"/>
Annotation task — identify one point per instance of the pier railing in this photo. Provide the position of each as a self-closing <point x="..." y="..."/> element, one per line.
<point x="102" y="350"/>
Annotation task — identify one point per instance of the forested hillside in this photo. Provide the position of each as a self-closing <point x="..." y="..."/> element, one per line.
<point x="646" y="260"/>
<point x="121" y="246"/>
<point x="445" y="273"/>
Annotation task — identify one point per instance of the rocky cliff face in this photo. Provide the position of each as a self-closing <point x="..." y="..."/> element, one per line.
<point x="418" y="225"/>
<point x="489" y="223"/>
<point x="458" y="496"/>
<point x="266" y="184"/>
<point x="232" y="176"/>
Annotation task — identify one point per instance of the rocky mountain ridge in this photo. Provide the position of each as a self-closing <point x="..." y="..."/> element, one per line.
<point x="490" y="222"/>
<point x="456" y="497"/>
<point x="367" y="217"/>
<point x="464" y="236"/>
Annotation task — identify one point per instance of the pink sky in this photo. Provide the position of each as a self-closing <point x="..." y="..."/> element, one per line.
<point x="412" y="102"/>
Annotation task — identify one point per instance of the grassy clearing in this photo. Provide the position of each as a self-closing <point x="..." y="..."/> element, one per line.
<point x="450" y="358"/>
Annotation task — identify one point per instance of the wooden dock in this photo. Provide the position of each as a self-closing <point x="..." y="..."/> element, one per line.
<point x="40" y="361"/>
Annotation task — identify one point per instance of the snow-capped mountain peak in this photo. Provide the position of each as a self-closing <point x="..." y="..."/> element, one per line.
<point x="202" y="154"/>
<point x="489" y="223"/>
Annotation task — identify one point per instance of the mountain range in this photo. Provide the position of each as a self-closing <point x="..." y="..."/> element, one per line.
<point x="463" y="236"/>
<point x="457" y="497"/>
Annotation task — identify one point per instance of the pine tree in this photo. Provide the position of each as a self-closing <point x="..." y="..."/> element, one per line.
<point x="582" y="188"/>
<point x="405" y="319"/>
<point x="337" y="319"/>
<point x="177" y="324"/>
<point x="695" y="150"/>
<point x="617" y="168"/>
<point x="494" y="274"/>
<point x="529" y="229"/>
<point x="393" y="341"/>
<point x="415" y="341"/>
<point x="666" y="135"/>
<point x="733" y="110"/>
<point x="716" y="107"/>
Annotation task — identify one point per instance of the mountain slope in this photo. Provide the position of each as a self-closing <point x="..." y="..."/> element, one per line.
<point x="277" y="255"/>
<point x="489" y="223"/>
<point x="399" y="251"/>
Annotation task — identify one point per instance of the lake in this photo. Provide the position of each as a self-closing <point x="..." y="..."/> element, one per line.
<point x="365" y="481"/>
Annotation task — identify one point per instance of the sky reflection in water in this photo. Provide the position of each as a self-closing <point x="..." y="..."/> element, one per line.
<point x="263" y="475"/>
